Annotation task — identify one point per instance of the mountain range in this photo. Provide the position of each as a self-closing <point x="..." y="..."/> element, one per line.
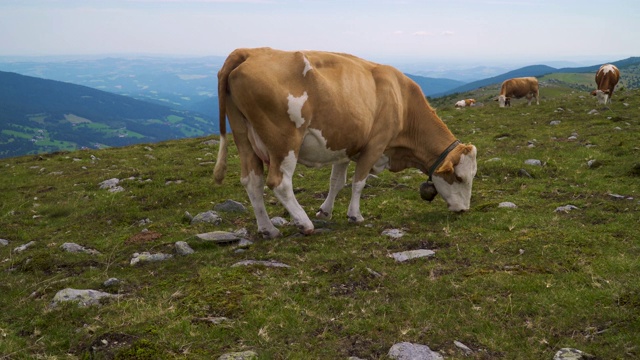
<point x="68" y="105"/>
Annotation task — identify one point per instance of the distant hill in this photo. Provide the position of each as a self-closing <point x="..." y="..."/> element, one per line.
<point x="38" y="115"/>
<point x="432" y="86"/>
<point x="535" y="70"/>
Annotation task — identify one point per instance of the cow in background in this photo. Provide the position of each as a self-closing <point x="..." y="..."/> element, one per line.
<point x="466" y="102"/>
<point x="518" y="88"/>
<point x="606" y="78"/>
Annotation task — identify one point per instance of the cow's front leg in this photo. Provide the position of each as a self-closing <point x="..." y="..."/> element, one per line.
<point x="337" y="182"/>
<point x="254" y="185"/>
<point x="280" y="180"/>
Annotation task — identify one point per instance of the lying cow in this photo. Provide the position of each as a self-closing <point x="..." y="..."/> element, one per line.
<point x="320" y="108"/>
<point x="606" y="78"/>
<point x="518" y="88"/>
<point x="466" y="103"/>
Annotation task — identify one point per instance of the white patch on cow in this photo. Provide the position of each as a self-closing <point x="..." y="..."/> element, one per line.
<point x="502" y="100"/>
<point x="314" y="151"/>
<point x="284" y="193"/>
<point x="607" y="68"/>
<point x="460" y="103"/>
<point x="458" y="194"/>
<point x="295" y="108"/>
<point x="307" y="66"/>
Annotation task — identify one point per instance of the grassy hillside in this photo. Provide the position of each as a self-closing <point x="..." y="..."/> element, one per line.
<point x="509" y="283"/>
<point x="38" y="115"/>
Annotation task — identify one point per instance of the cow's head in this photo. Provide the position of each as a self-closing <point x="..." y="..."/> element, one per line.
<point x="453" y="179"/>
<point x="602" y="96"/>
<point x="503" y="101"/>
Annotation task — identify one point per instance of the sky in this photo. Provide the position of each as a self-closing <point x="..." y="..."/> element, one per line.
<point x="444" y="31"/>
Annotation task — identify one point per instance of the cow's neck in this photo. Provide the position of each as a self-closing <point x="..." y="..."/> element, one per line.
<point x="422" y="142"/>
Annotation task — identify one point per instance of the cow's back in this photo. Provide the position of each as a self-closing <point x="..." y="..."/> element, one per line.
<point x="339" y="93"/>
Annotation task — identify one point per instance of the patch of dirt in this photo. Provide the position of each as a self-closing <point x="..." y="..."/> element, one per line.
<point x="143" y="237"/>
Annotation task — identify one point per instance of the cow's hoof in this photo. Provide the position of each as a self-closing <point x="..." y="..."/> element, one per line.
<point x="270" y="234"/>
<point x="355" y="219"/>
<point x="321" y="214"/>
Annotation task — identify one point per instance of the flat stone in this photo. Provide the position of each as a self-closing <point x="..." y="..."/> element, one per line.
<point x="268" y="263"/>
<point x="148" y="257"/>
<point x="412" y="254"/>
<point x="566" y="208"/>
<point x="111" y="282"/>
<point x="243" y="355"/>
<point x="109" y="184"/>
<point x="4" y="242"/>
<point x="75" y="248"/>
<point x="82" y="297"/>
<point x="24" y="247"/>
<point x="230" y="206"/>
<point x="508" y="205"/>
<point x="393" y="233"/>
<point x="572" y="354"/>
<point x="409" y="351"/>
<point x="534" y="162"/>
<point x="219" y="237"/>
<point x="210" y="217"/>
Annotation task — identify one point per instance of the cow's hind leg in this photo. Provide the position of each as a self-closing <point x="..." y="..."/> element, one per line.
<point x="254" y="184"/>
<point x="337" y="182"/>
<point x="280" y="180"/>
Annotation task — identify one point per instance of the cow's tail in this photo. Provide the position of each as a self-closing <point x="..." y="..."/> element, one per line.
<point x="233" y="61"/>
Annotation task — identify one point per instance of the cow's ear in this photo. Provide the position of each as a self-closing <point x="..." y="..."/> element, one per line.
<point x="467" y="149"/>
<point x="445" y="168"/>
<point x="593" y="93"/>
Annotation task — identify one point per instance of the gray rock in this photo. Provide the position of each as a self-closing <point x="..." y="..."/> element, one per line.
<point x="82" y="297"/>
<point x="463" y="347"/>
<point x="572" y="354"/>
<point x="230" y="206"/>
<point x="409" y="351"/>
<point x="116" y="189"/>
<point x="4" y="242"/>
<point x="269" y="263"/>
<point x="278" y="221"/>
<point x="243" y="355"/>
<point x="209" y="217"/>
<point x="109" y="184"/>
<point x="592" y="164"/>
<point x="619" y="197"/>
<point x="148" y="257"/>
<point x="75" y="248"/>
<point x="111" y="282"/>
<point x="182" y="248"/>
<point x="211" y="142"/>
<point x="534" y="162"/>
<point x="555" y="122"/>
<point x="412" y="254"/>
<point x="244" y="243"/>
<point x="24" y="247"/>
<point x="495" y="159"/>
<point x="212" y="320"/>
<point x="219" y="237"/>
<point x="393" y="233"/>
<point x="524" y="173"/>
<point x="508" y="205"/>
<point x="593" y="112"/>
<point x="566" y="208"/>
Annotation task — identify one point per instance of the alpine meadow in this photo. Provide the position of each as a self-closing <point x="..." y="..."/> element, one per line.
<point x="546" y="258"/>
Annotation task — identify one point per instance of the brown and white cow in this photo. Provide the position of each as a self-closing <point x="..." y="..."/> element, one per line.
<point x="606" y="78"/>
<point x="518" y="88"/>
<point x="318" y="108"/>
<point x="466" y="103"/>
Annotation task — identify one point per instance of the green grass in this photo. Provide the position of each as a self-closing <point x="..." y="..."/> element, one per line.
<point x="509" y="283"/>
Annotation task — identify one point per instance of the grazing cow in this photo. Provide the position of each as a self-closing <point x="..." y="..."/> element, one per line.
<point x="319" y="108"/>
<point x="606" y="78"/>
<point x="466" y="102"/>
<point x="518" y="88"/>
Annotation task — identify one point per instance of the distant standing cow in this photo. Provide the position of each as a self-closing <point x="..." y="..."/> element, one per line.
<point x="518" y="88"/>
<point x="606" y="78"/>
